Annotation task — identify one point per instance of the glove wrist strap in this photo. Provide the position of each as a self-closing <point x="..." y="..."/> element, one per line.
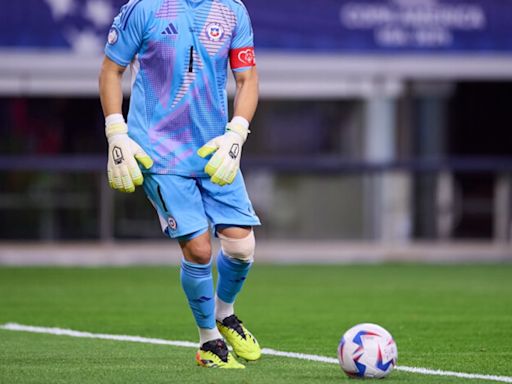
<point x="239" y="125"/>
<point x="114" y="118"/>
<point x="115" y="125"/>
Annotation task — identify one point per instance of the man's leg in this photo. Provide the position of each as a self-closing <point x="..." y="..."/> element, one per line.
<point x="231" y="213"/>
<point x="233" y="263"/>
<point x="197" y="282"/>
<point x="180" y="209"/>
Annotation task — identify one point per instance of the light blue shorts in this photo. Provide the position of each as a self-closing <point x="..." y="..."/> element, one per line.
<point x="187" y="206"/>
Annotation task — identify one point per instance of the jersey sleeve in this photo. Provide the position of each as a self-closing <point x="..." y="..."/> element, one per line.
<point x="126" y="34"/>
<point x="241" y="55"/>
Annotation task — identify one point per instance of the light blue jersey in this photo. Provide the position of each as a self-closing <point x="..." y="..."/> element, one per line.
<point x="179" y="51"/>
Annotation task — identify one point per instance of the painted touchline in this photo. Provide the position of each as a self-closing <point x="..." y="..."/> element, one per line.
<point x="265" y="351"/>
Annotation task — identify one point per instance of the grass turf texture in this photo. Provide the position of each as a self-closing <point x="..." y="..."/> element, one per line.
<point x="442" y="317"/>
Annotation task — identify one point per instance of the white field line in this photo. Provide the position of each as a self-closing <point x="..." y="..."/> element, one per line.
<point x="266" y="351"/>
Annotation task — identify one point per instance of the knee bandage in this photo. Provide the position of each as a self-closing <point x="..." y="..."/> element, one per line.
<point x="240" y="249"/>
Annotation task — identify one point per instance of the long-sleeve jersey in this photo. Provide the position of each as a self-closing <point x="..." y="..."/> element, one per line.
<point x="179" y="52"/>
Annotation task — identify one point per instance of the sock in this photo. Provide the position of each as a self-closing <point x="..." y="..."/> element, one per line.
<point x="223" y="309"/>
<point x="197" y="282"/>
<point x="232" y="275"/>
<point x="206" y="335"/>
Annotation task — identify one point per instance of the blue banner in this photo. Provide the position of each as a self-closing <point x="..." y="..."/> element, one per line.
<point x="78" y="25"/>
<point x="373" y="26"/>
<point x="356" y="26"/>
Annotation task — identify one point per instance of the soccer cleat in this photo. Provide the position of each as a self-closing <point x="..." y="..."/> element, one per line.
<point x="215" y="354"/>
<point x="243" y="342"/>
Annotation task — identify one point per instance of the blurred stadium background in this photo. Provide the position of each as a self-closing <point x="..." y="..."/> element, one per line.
<point x="383" y="133"/>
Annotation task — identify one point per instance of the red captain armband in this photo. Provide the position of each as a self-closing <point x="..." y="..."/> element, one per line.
<point x="242" y="57"/>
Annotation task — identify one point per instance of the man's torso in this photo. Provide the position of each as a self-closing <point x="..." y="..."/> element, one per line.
<point x="179" y="75"/>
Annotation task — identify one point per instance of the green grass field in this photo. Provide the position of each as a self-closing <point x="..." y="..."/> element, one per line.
<point x="456" y="318"/>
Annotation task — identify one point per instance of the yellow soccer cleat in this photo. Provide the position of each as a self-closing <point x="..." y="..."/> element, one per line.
<point x="243" y="342"/>
<point x="215" y="354"/>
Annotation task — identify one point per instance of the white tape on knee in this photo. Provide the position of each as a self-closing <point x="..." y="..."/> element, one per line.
<point x="240" y="249"/>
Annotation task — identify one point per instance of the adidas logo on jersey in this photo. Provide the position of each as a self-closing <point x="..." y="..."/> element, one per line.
<point x="170" y="30"/>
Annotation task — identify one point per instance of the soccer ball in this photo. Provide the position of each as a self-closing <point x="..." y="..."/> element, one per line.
<point x="367" y="350"/>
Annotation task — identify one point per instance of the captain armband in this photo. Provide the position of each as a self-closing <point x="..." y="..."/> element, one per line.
<point x="242" y="57"/>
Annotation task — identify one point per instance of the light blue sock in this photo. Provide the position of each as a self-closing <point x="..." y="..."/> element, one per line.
<point x="197" y="282"/>
<point x="232" y="275"/>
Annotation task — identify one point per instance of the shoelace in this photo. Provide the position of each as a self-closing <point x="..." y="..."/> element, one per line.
<point x="217" y="347"/>
<point x="235" y="324"/>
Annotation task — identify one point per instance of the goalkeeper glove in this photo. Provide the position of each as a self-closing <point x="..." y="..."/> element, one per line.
<point x="225" y="163"/>
<point x="123" y="171"/>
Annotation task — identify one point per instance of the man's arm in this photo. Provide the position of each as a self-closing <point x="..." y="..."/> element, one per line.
<point x="123" y="171"/>
<point x="110" y="82"/>
<point x="247" y="93"/>
<point x="225" y="163"/>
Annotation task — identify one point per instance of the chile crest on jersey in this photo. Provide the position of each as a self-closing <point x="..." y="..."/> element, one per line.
<point x="215" y="31"/>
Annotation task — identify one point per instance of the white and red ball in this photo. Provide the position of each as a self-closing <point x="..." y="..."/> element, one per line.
<point x="367" y="351"/>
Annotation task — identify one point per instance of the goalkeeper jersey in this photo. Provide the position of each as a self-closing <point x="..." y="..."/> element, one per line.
<point x="179" y="52"/>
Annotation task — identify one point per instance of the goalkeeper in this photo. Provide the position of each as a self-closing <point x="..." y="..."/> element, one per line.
<point x="177" y="132"/>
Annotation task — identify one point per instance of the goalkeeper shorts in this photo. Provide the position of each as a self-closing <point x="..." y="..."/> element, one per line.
<point x="187" y="206"/>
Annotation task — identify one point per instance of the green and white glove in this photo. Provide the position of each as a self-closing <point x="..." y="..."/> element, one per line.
<point x="123" y="171"/>
<point x="225" y="163"/>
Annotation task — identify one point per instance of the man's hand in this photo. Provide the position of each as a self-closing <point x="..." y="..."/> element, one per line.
<point x="225" y="163"/>
<point x="123" y="171"/>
